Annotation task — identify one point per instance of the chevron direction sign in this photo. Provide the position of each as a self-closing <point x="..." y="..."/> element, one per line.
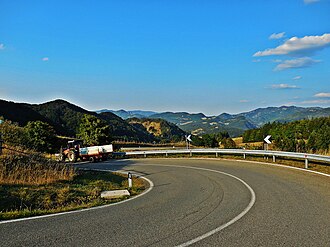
<point x="267" y="139"/>
<point x="188" y="138"/>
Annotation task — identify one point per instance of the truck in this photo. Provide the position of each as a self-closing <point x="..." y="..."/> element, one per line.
<point x="75" y="151"/>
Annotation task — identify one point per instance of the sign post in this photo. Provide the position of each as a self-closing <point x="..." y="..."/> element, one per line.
<point x="267" y="141"/>
<point x="188" y="140"/>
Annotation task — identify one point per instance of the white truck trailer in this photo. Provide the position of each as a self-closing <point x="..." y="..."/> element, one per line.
<point x="75" y="151"/>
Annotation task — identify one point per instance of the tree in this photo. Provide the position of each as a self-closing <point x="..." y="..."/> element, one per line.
<point x="197" y="141"/>
<point x="311" y="142"/>
<point x="12" y="134"/>
<point x="40" y="136"/>
<point x="94" y="131"/>
<point x="210" y="141"/>
<point x="228" y="143"/>
<point x="301" y="146"/>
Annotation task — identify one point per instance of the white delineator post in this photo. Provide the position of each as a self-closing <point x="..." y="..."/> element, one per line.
<point x="130" y="181"/>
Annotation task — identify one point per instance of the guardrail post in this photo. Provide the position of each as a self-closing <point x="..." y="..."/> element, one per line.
<point x="190" y="153"/>
<point x="166" y="154"/>
<point x="216" y="154"/>
<point x="130" y="181"/>
<point x="244" y="155"/>
<point x="274" y="158"/>
<point x="145" y="155"/>
<point x="306" y="162"/>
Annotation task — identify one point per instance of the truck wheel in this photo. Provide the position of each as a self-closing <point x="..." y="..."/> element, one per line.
<point x="72" y="157"/>
<point x="91" y="159"/>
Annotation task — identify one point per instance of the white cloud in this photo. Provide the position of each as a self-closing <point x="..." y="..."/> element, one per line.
<point x="297" y="46"/>
<point x="244" y="101"/>
<point x="298" y="77"/>
<point x="302" y="62"/>
<point x="318" y="101"/>
<point x="2" y="46"/>
<point x="322" y="95"/>
<point x="45" y="59"/>
<point x="284" y="86"/>
<point x="277" y="35"/>
<point x="310" y="1"/>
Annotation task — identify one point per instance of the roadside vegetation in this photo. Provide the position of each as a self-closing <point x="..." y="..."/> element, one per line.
<point x="311" y="136"/>
<point x="221" y="139"/>
<point x="80" y="189"/>
<point x="31" y="168"/>
<point x="33" y="184"/>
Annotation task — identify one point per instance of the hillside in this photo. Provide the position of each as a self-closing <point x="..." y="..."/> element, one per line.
<point x="129" y="114"/>
<point x="66" y="118"/>
<point x="309" y="135"/>
<point x="62" y="114"/>
<point x="282" y="114"/>
<point x="121" y="129"/>
<point x="162" y="130"/>
<point x="200" y="124"/>
<point x="20" y="113"/>
<point x="235" y="124"/>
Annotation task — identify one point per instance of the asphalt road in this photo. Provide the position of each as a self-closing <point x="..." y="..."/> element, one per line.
<point x="292" y="208"/>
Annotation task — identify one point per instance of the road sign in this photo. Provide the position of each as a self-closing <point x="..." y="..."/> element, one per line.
<point x="267" y="139"/>
<point x="188" y="138"/>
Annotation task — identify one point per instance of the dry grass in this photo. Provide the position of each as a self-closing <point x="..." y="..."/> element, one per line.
<point x="83" y="191"/>
<point x="250" y="145"/>
<point x="32" y="169"/>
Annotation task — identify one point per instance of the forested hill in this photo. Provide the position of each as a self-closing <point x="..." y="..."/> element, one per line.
<point x="66" y="118"/>
<point x="234" y="124"/>
<point x="300" y="136"/>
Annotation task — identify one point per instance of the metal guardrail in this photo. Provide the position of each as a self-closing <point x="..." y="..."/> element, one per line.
<point x="243" y="152"/>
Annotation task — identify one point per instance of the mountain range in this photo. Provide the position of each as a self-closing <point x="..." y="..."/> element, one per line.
<point x="149" y="126"/>
<point x="66" y="118"/>
<point x="235" y="124"/>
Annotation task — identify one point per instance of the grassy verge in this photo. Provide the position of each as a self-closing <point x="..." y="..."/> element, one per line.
<point x="82" y="191"/>
<point x="31" y="168"/>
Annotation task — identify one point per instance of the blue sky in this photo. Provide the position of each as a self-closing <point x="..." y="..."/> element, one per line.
<point x="198" y="56"/>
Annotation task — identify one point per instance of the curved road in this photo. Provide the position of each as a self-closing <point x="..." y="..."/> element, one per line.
<point x="292" y="208"/>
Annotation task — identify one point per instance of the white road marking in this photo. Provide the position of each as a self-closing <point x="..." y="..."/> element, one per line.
<point x="232" y="221"/>
<point x="273" y="164"/>
<point x="236" y="218"/>
<point x="197" y="239"/>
